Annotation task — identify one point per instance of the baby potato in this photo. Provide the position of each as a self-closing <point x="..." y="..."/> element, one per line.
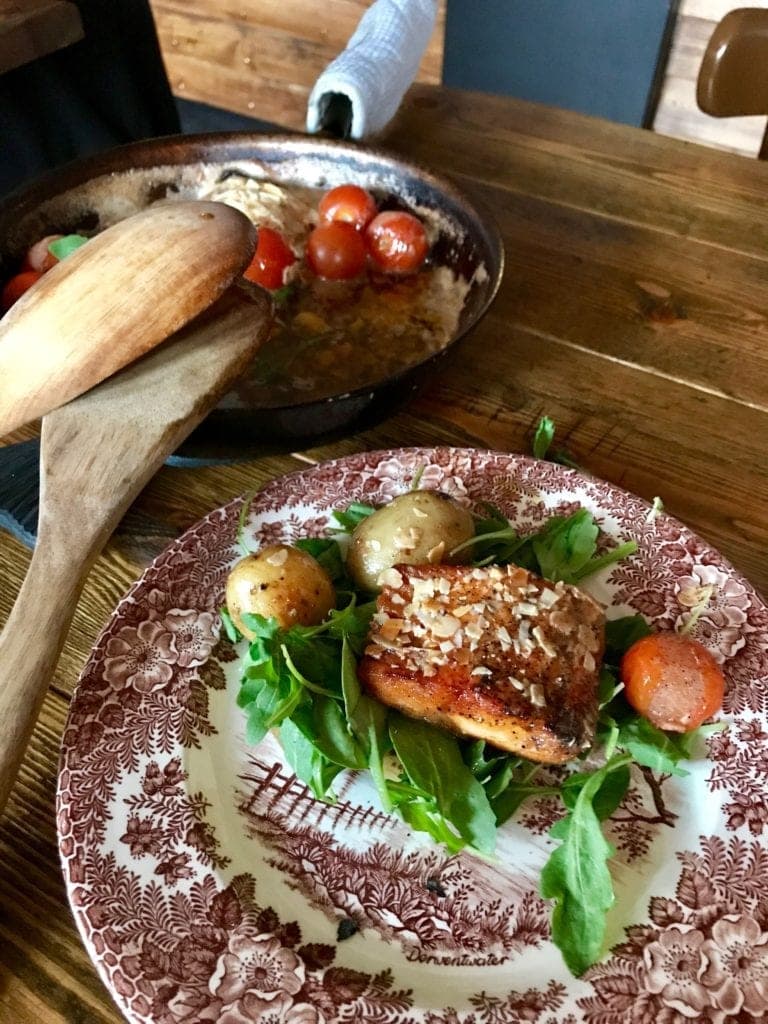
<point x="279" y="582"/>
<point x="414" y="528"/>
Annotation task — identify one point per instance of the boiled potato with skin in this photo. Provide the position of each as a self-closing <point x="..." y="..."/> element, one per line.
<point x="414" y="528"/>
<point x="279" y="582"/>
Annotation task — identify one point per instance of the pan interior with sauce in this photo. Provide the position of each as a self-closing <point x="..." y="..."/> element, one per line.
<point x="332" y="337"/>
<point x="343" y="354"/>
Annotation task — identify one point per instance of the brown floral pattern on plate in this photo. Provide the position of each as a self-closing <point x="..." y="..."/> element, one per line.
<point x="201" y="900"/>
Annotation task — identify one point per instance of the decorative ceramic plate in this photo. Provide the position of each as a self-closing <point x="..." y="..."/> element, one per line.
<point x="209" y="886"/>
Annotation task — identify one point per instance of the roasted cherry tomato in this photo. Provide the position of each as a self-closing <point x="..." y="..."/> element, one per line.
<point x="38" y="256"/>
<point x="397" y="242"/>
<point x="272" y="258"/>
<point x="673" y="681"/>
<point x="348" y="203"/>
<point x="336" y="251"/>
<point x="16" y="287"/>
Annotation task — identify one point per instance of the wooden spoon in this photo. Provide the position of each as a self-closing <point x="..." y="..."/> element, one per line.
<point x="96" y="454"/>
<point x="114" y="299"/>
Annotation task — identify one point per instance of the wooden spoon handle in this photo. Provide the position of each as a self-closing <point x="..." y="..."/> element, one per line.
<point x="32" y="640"/>
<point x="96" y="454"/>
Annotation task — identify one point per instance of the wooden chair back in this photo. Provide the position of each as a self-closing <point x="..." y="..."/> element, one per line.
<point x="733" y="78"/>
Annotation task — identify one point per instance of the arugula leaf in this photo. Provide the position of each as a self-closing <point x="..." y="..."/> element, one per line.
<point x="621" y="633"/>
<point x="314" y="662"/>
<point x="577" y="878"/>
<point x="518" y="790"/>
<point x="281" y="296"/>
<point x="652" y="748"/>
<point x="352" y="515"/>
<point x="542" y="442"/>
<point x="352" y="623"/>
<point x="608" y="686"/>
<point x="273" y="702"/>
<point x="350" y="684"/>
<point x="432" y="761"/>
<point x="617" y="554"/>
<point x="372" y="724"/>
<point x="500" y="777"/>
<point x="309" y="764"/>
<point x="420" y="814"/>
<point x="66" y="245"/>
<point x="260" y="626"/>
<point x="327" y="553"/>
<point x="508" y="803"/>
<point x="495" y="539"/>
<point x="324" y="725"/>
<point x="495" y="771"/>
<point x="565" y="545"/>
<point x="367" y="721"/>
<point x="270" y="688"/>
<point x="232" y="632"/>
<point x="482" y="767"/>
<point x="542" y="439"/>
<point x="565" y="548"/>
<point x="608" y="796"/>
<point x="299" y="752"/>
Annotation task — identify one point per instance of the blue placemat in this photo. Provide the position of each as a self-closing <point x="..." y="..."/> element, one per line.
<point x="20" y="486"/>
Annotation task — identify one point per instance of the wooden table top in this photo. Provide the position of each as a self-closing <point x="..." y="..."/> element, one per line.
<point x="634" y="312"/>
<point x="33" y="28"/>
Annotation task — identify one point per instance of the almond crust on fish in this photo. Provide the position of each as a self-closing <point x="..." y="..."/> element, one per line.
<point x="492" y="653"/>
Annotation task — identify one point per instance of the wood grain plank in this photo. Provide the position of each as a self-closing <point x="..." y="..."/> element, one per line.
<point x="239" y="53"/>
<point x="297" y="20"/>
<point x="30" y="29"/>
<point x="649" y="305"/>
<point x="639" y="178"/>
<point x="262" y="59"/>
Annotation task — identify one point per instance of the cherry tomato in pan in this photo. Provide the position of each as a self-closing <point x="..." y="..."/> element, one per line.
<point x="272" y="258"/>
<point x="16" y="287"/>
<point x="38" y="256"/>
<point x="348" y="203"/>
<point x="673" y="681"/>
<point x="336" y="251"/>
<point x="397" y="242"/>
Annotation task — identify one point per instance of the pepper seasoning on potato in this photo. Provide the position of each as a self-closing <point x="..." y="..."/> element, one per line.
<point x="418" y="528"/>
<point x="279" y="582"/>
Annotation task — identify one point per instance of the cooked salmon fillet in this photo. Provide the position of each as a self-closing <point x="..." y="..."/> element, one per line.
<point x="493" y="653"/>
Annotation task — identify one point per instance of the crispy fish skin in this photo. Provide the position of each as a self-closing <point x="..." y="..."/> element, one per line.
<point x="492" y="653"/>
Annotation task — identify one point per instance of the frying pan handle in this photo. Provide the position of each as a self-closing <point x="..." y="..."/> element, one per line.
<point x="336" y="115"/>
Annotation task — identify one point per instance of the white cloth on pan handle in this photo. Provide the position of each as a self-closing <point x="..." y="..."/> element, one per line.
<point x="378" y="65"/>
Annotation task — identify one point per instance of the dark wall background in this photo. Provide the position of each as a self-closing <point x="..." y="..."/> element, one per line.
<point x="595" y="56"/>
<point x="107" y="89"/>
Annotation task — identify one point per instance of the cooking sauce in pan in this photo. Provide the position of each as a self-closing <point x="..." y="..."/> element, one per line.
<point x="331" y="337"/>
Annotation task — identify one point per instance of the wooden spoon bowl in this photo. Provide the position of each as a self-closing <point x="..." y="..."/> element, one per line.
<point x="118" y="296"/>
